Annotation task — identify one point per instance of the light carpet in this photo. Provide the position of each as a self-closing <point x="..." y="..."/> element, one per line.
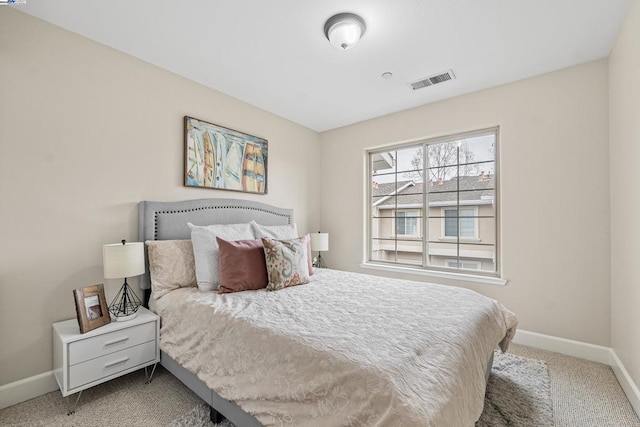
<point x="125" y="401"/>
<point x="518" y="394"/>
<point x="584" y="393"/>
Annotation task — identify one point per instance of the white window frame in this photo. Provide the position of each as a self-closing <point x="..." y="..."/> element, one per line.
<point x="492" y="277"/>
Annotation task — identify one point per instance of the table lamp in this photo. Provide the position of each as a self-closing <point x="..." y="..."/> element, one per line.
<point x="122" y="260"/>
<point x="320" y="242"/>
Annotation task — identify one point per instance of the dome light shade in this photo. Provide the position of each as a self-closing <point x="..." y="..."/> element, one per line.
<point x="344" y="30"/>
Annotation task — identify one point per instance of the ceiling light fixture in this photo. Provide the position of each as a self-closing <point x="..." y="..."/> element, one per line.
<point x="344" y="30"/>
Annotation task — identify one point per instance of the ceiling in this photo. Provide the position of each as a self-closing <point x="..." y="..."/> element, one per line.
<point x="274" y="55"/>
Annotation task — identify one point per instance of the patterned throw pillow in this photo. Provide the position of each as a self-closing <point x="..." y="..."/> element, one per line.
<point x="286" y="262"/>
<point x="282" y="232"/>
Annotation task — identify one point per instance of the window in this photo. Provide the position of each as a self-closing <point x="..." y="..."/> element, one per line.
<point x="407" y="223"/>
<point x="466" y="218"/>
<point x="463" y="264"/>
<point x="432" y="203"/>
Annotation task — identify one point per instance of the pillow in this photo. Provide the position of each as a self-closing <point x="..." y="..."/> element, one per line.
<point x="242" y="265"/>
<point x="171" y="265"/>
<point x="282" y="232"/>
<point x="279" y="232"/>
<point x="286" y="262"/>
<point x="309" y="255"/>
<point x="205" y="250"/>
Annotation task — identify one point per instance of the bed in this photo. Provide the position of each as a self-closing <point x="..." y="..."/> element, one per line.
<point x="345" y="349"/>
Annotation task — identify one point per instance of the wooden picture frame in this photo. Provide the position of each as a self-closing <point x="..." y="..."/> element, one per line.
<point x="220" y="158"/>
<point x="91" y="307"/>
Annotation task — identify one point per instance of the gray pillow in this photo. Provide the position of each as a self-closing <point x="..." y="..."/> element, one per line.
<point x="206" y="250"/>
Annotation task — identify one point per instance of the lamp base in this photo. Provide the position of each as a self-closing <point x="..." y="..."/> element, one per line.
<point x="320" y="262"/>
<point x="124" y="318"/>
<point x="125" y="305"/>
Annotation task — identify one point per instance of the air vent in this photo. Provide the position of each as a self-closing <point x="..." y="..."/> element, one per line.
<point x="433" y="80"/>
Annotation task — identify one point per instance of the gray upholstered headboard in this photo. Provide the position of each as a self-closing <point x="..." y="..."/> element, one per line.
<point x="168" y="220"/>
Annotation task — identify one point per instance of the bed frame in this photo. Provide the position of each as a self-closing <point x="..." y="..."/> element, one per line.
<point x="167" y="221"/>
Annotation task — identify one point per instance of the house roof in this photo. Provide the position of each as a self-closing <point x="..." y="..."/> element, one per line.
<point x="472" y="188"/>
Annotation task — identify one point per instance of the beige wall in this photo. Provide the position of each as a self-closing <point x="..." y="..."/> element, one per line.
<point x="624" y="98"/>
<point x="85" y="133"/>
<point x="554" y="193"/>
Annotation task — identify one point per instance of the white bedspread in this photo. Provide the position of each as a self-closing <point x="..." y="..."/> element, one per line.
<point x="344" y="350"/>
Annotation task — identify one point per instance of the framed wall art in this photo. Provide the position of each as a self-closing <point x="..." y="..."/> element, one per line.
<point x="223" y="159"/>
<point x="91" y="307"/>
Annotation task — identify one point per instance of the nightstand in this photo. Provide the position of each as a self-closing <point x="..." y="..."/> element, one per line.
<point x="81" y="361"/>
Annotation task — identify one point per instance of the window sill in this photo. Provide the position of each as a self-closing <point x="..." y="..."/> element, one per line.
<point x="440" y="274"/>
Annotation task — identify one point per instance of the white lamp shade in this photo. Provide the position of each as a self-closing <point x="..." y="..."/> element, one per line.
<point x="319" y="242"/>
<point x="122" y="261"/>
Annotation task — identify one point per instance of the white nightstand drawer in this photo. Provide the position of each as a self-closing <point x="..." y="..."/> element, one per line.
<point x="90" y="348"/>
<point x="81" y="361"/>
<point x="101" y="367"/>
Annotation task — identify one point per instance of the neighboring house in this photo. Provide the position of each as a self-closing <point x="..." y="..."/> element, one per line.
<point x="398" y="222"/>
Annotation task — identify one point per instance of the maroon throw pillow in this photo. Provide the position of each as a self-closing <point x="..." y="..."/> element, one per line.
<point x="242" y="265"/>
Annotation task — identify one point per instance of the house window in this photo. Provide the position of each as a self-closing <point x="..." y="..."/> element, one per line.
<point x="464" y="217"/>
<point x="407" y="223"/>
<point x="433" y="203"/>
<point x="463" y="264"/>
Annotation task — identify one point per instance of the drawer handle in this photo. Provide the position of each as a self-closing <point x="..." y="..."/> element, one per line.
<point x="116" y="341"/>
<point x="115" y="362"/>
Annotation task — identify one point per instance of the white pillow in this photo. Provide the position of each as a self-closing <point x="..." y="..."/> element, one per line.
<point x="205" y="250"/>
<point x="278" y="232"/>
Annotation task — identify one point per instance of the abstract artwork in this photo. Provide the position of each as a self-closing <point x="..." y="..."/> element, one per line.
<point x="224" y="159"/>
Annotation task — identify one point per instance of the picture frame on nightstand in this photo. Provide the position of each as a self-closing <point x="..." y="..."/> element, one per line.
<point x="91" y="307"/>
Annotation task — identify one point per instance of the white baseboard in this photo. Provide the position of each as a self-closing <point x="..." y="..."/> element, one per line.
<point x="28" y="388"/>
<point x="629" y="387"/>
<point x="595" y="353"/>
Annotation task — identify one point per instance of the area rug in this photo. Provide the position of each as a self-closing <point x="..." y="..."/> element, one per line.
<point x="518" y="395"/>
